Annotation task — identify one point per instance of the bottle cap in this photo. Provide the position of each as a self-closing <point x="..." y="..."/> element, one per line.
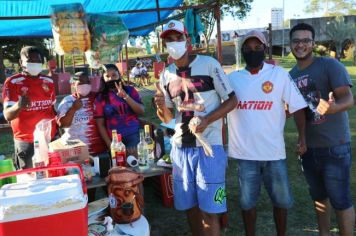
<point x="113" y="131"/>
<point x="147" y="128"/>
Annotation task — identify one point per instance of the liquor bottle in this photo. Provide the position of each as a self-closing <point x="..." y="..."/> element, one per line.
<point x="113" y="147"/>
<point x="38" y="161"/>
<point x="149" y="146"/>
<point x="159" y="143"/>
<point x="141" y="151"/>
<point x="120" y="152"/>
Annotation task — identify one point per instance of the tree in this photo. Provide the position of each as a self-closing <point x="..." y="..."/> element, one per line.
<point x="331" y="7"/>
<point x="10" y="50"/>
<point x="339" y="31"/>
<point x="236" y="8"/>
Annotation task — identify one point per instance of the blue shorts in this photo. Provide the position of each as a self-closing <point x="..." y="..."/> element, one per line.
<point x="273" y="174"/>
<point x="327" y="171"/>
<point x="199" y="180"/>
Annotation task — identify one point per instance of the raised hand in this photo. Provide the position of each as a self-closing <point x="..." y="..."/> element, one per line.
<point x="77" y="104"/>
<point x="159" y="97"/>
<point x="120" y="91"/>
<point x="24" y="100"/>
<point x="327" y="107"/>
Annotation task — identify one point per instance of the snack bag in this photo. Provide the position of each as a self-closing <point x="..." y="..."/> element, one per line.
<point x="108" y="34"/>
<point x="70" y="29"/>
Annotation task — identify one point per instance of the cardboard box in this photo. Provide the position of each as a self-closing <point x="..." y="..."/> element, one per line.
<point x="73" y="150"/>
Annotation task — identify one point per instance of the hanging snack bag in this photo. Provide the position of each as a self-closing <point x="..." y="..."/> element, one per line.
<point x="108" y="34"/>
<point x="70" y="29"/>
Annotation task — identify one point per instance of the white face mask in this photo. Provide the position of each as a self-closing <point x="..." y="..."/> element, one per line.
<point x="176" y="49"/>
<point x="83" y="89"/>
<point x="32" y="68"/>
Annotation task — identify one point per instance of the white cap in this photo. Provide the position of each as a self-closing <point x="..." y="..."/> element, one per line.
<point x="173" y="25"/>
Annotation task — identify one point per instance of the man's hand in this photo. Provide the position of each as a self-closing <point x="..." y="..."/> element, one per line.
<point x="24" y="101"/>
<point x="120" y="91"/>
<point x="301" y="146"/>
<point x="77" y="104"/>
<point x="159" y="98"/>
<point x="199" y="128"/>
<point x="327" y="107"/>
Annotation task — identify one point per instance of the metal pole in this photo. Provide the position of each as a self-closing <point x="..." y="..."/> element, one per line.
<point x="218" y="26"/>
<point x="270" y="41"/>
<point x="283" y="31"/>
<point x="158" y="21"/>
<point x="127" y="64"/>
<point x="219" y="55"/>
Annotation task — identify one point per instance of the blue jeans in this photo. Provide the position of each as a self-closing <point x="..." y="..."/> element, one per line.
<point x="273" y="174"/>
<point x="327" y="171"/>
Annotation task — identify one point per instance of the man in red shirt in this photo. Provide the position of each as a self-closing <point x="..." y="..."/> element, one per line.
<point x="28" y="98"/>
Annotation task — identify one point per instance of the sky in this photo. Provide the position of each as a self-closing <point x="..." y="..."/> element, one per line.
<point x="260" y="14"/>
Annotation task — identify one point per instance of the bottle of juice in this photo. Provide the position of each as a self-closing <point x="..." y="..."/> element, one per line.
<point x="120" y="152"/>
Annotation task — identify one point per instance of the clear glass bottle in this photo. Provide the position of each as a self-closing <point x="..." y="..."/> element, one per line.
<point x="38" y="161"/>
<point x="113" y="147"/>
<point x="149" y="146"/>
<point x="141" y="151"/>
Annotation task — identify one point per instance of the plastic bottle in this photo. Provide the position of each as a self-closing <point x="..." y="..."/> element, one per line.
<point x="149" y="146"/>
<point x="38" y="161"/>
<point x="113" y="147"/>
<point x="141" y="151"/>
<point x="120" y="152"/>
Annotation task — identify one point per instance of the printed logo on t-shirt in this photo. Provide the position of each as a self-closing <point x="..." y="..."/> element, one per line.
<point x="45" y="87"/>
<point x="254" y="105"/>
<point x="24" y="90"/>
<point x="312" y="97"/>
<point x="267" y="87"/>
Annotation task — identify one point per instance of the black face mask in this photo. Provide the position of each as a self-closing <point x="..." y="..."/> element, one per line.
<point x="253" y="59"/>
<point x="111" y="84"/>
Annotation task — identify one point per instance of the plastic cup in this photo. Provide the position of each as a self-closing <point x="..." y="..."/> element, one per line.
<point x="5" y="167"/>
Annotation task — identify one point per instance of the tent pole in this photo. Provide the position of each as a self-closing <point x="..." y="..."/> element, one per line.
<point x="158" y="20"/>
<point x="62" y="64"/>
<point x="127" y="64"/>
<point x="219" y="55"/>
<point x="218" y="26"/>
<point x="57" y="61"/>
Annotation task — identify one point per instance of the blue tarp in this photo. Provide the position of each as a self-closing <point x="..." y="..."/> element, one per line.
<point x="42" y="27"/>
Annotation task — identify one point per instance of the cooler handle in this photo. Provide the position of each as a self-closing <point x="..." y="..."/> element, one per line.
<point x="37" y="169"/>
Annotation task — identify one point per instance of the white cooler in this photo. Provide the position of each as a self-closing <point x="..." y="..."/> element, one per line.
<point x="51" y="206"/>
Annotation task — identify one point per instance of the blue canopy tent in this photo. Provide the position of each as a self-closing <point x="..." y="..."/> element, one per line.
<point x="30" y="18"/>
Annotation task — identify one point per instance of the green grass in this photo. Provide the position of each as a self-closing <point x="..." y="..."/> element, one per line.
<point x="301" y="218"/>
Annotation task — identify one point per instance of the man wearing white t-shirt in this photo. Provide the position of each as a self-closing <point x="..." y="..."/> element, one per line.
<point x="256" y="131"/>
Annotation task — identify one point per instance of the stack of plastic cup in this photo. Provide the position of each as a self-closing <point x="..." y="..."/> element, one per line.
<point x="7" y="166"/>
